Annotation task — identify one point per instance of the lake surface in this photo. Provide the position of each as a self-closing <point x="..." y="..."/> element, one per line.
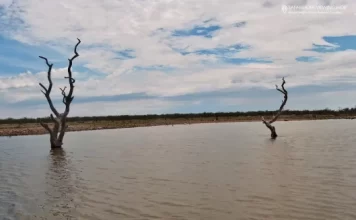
<point x="203" y="171"/>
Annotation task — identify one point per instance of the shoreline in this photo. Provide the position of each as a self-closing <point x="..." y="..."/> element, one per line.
<point x="26" y="129"/>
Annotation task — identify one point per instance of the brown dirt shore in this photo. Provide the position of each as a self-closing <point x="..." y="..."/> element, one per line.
<point x="22" y="129"/>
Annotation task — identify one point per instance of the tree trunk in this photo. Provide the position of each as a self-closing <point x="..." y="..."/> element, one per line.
<point x="55" y="141"/>
<point x="272" y="129"/>
<point x="273" y="133"/>
<point x="55" y="145"/>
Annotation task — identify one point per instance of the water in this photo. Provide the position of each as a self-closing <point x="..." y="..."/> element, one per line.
<point x="207" y="171"/>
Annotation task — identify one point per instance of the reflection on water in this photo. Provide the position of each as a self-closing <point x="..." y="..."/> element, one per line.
<point x="210" y="171"/>
<point x="59" y="188"/>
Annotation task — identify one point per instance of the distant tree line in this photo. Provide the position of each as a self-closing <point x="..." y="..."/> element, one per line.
<point x="345" y="111"/>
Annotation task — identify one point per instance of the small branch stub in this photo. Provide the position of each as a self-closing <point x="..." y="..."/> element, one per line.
<point x="59" y="128"/>
<point x="284" y="101"/>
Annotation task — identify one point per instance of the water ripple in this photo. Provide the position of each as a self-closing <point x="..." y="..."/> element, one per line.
<point x="184" y="172"/>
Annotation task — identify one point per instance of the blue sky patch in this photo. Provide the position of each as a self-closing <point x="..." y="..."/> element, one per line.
<point x="115" y="98"/>
<point x="125" y="54"/>
<point x="307" y="59"/>
<point x="82" y="99"/>
<point x="16" y="57"/>
<point x="240" y="61"/>
<point x="208" y="20"/>
<point x="225" y="54"/>
<point x="162" y="68"/>
<point x="342" y="43"/>
<point x="240" y="24"/>
<point x="202" y="31"/>
<point x="221" y="51"/>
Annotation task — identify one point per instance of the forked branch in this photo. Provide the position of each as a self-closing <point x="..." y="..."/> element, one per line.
<point x="69" y="98"/>
<point x="64" y="95"/>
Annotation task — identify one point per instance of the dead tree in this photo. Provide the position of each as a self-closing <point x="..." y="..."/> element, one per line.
<point x="284" y="101"/>
<point x="59" y="128"/>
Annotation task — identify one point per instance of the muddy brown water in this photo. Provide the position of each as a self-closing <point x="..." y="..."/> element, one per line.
<point x="203" y="171"/>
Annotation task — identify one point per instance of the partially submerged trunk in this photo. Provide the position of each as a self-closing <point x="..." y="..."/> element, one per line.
<point x="269" y="123"/>
<point x="57" y="131"/>
<point x="272" y="129"/>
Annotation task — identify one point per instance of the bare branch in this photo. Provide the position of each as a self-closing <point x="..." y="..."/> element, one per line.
<point x="71" y="80"/>
<point x="284" y="91"/>
<point x="63" y="90"/>
<point x="280" y="90"/>
<point x="45" y="126"/>
<point x="53" y="119"/>
<point x="46" y="61"/>
<point x="44" y="88"/>
<point x="69" y="97"/>
<point x="64" y="95"/>
<point x="284" y="101"/>
<point x="284" y="82"/>
<point x="47" y="91"/>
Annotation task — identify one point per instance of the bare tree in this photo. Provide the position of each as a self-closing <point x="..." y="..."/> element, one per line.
<point x="284" y="101"/>
<point x="58" y="130"/>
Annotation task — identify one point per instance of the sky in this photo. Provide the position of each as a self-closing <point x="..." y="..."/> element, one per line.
<point x="170" y="56"/>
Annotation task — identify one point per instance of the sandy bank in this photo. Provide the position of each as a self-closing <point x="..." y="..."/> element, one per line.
<point x="36" y="129"/>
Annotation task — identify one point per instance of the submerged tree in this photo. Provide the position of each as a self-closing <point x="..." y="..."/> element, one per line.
<point x="284" y="101"/>
<point x="60" y="119"/>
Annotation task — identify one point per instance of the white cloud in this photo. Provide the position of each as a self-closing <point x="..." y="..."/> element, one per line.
<point x="26" y="85"/>
<point x="145" y="27"/>
<point x="5" y="3"/>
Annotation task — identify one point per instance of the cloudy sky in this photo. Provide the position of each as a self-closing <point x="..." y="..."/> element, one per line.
<point x="166" y="56"/>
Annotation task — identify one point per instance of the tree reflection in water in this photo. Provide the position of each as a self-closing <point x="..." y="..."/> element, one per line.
<point x="59" y="202"/>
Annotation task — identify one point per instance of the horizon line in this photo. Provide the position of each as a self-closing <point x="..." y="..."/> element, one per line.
<point x="191" y="113"/>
